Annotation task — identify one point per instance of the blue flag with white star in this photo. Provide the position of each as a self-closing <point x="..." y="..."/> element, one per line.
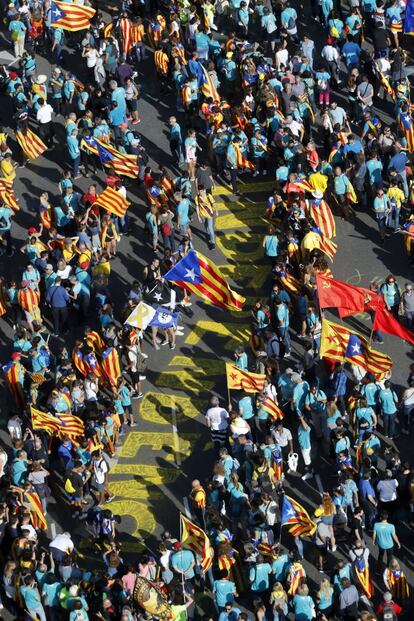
<point x="288" y="511"/>
<point x="104" y="154"/>
<point x="354" y="347"/>
<point x="186" y="270"/>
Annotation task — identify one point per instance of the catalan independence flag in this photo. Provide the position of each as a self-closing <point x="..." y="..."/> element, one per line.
<point x="341" y="343"/>
<point x="37" y="515"/>
<point x="45" y="421"/>
<point x="206" y="84"/>
<point x="194" y="538"/>
<point x="7" y="196"/>
<point x="122" y="163"/>
<point x="70" y="425"/>
<point x="95" y="341"/>
<point x="271" y="408"/>
<point x="14" y="375"/>
<point x="70" y="16"/>
<point x="77" y="358"/>
<point x="242" y="162"/>
<point x="200" y="276"/>
<point x="110" y="365"/>
<point x="28" y="299"/>
<point x="111" y="200"/>
<point x="277" y="466"/>
<point x="237" y="379"/>
<point x="297" y="518"/>
<point x="321" y="214"/>
<point x="125" y="28"/>
<point x="31" y="144"/>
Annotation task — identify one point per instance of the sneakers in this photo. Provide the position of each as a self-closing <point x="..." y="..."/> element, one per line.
<point x="142" y="378"/>
<point x="144" y="355"/>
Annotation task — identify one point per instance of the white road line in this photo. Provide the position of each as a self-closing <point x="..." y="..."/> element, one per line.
<point x="53" y="529"/>
<point x="176" y="438"/>
<point x="319" y="483"/>
<point x="187" y="507"/>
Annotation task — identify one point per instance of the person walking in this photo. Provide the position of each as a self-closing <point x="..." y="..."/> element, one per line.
<point x="58" y="299"/>
<point x="385" y="538"/>
<point x="206" y="211"/>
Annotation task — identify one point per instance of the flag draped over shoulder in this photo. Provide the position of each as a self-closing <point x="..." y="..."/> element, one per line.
<point x="37" y="514"/>
<point x="70" y="16"/>
<point x="341" y="343"/>
<point x="386" y="322"/>
<point x="206" y="83"/>
<point x="111" y="365"/>
<point x="44" y="421"/>
<point x="243" y="380"/>
<point x="322" y="216"/>
<point x="32" y="146"/>
<point x="7" y="196"/>
<point x="297" y="518"/>
<point x="242" y="162"/>
<point x="201" y="276"/>
<point x="113" y="202"/>
<point x="122" y="163"/>
<point x="271" y="408"/>
<point x="195" y="539"/>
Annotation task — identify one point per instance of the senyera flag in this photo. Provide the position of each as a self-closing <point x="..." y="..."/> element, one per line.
<point x="70" y="16"/>
<point x="113" y="202"/>
<point x="194" y="538"/>
<point x="32" y="146"/>
<point x="201" y="276"/>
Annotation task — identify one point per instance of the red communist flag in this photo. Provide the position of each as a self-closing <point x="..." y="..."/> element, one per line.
<point x="386" y="322"/>
<point x="334" y="293"/>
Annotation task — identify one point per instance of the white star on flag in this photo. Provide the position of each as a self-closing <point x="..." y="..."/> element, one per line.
<point x="190" y="274"/>
<point x="157" y="296"/>
<point x="356" y="349"/>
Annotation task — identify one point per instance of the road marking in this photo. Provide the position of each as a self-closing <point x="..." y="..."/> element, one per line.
<point x="155" y="475"/>
<point x="176" y="438"/>
<point x="187" y="507"/>
<point x="155" y="406"/>
<point x="53" y="529"/>
<point x="319" y="483"/>
<point x="157" y="441"/>
<point x="184" y="380"/>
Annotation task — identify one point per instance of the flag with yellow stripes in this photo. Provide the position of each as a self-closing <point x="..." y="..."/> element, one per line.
<point x="32" y="146"/>
<point x="194" y="538"/>
<point x="111" y="200"/>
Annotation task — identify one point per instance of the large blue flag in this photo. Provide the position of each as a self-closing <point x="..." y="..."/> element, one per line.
<point x="186" y="270"/>
<point x="409" y="18"/>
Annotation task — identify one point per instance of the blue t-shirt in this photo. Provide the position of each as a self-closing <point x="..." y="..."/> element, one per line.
<point x="246" y="407"/>
<point x="259" y="577"/>
<point x="303" y="607"/>
<point x="388" y="400"/>
<point x="224" y="592"/>
<point x="351" y="52"/>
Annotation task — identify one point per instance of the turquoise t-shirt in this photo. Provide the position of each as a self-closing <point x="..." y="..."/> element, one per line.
<point x="271" y="245"/>
<point x="388" y="399"/>
<point x="259" y="577"/>
<point x="246" y="408"/>
<point x="224" y="592"/>
<point x="304" y="437"/>
<point x="384" y="532"/>
<point x="303" y="607"/>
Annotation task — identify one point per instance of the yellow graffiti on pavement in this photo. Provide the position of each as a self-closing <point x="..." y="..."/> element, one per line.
<point x="135" y="490"/>
<point x="208" y="366"/>
<point x="154" y="475"/>
<point x="158" y="441"/>
<point x="236" y="331"/>
<point x="239" y="221"/>
<point x="156" y="406"/>
<point x="145" y="523"/>
<point x="183" y="380"/>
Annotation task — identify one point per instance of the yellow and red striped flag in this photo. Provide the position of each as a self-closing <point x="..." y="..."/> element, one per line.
<point x="70" y="16"/>
<point x="28" y="299"/>
<point x="322" y="216"/>
<point x="44" y="420"/>
<point x="32" y="146"/>
<point x="110" y="365"/>
<point x="242" y="162"/>
<point x="125" y="27"/>
<point x="194" y="538"/>
<point x="297" y="518"/>
<point x="277" y="465"/>
<point x="341" y="343"/>
<point x="14" y="374"/>
<point x="79" y="363"/>
<point x="112" y="201"/>
<point x="122" y="163"/>
<point x="205" y="82"/>
<point x="243" y="380"/>
<point x="272" y="408"/>
<point x="199" y="275"/>
<point x="70" y="425"/>
<point x="7" y="196"/>
<point x="37" y="515"/>
<point x="328" y="247"/>
<point x="108" y="28"/>
<point x="95" y="341"/>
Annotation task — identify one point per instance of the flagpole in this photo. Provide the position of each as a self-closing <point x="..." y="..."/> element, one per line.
<point x="372" y="327"/>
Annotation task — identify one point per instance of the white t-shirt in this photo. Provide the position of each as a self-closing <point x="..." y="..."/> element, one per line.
<point x="91" y="390"/>
<point x="100" y="468"/>
<point x="91" y="57"/>
<point x="62" y="542"/>
<point x="282" y="438"/>
<point x="217" y="417"/>
<point x="44" y="114"/>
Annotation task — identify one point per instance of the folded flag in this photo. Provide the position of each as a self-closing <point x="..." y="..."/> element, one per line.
<point x="45" y="421"/>
<point x="32" y="146"/>
<point x="341" y="343"/>
<point x="110" y="365"/>
<point x="7" y="196"/>
<point x="386" y="322"/>
<point x="243" y="380"/>
<point x="70" y="15"/>
<point x="333" y="293"/>
<point x="206" y="84"/>
<point x="112" y="201"/>
<point x="297" y="518"/>
<point x="141" y="316"/>
<point x="164" y="318"/>
<point x="199" y="275"/>
<point x="194" y="538"/>
<point x="242" y="162"/>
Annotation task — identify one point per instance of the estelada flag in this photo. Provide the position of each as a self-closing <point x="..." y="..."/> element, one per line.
<point x="297" y="518"/>
<point x="37" y="515"/>
<point x="70" y="16"/>
<point x="272" y="408"/>
<point x="322" y="216"/>
<point x="113" y="202"/>
<point x="277" y="465"/>
<point x="243" y="380"/>
<point x="242" y="162"/>
<point x="45" y="421"/>
<point x="122" y="163"/>
<point x="79" y="363"/>
<point x="70" y="425"/>
<point x="386" y="322"/>
<point x="7" y="196"/>
<point x="95" y="341"/>
<point x="110" y="365"/>
<point x="333" y="293"/>
<point x="32" y="146"/>
<point x="341" y="343"/>
<point x="201" y="276"/>
<point x="194" y="538"/>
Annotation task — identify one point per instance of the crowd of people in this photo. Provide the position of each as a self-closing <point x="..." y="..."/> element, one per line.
<point x="317" y="100"/>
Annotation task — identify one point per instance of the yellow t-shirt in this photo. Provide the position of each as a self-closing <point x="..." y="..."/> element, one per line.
<point x="7" y="170"/>
<point x="397" y="194"/>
